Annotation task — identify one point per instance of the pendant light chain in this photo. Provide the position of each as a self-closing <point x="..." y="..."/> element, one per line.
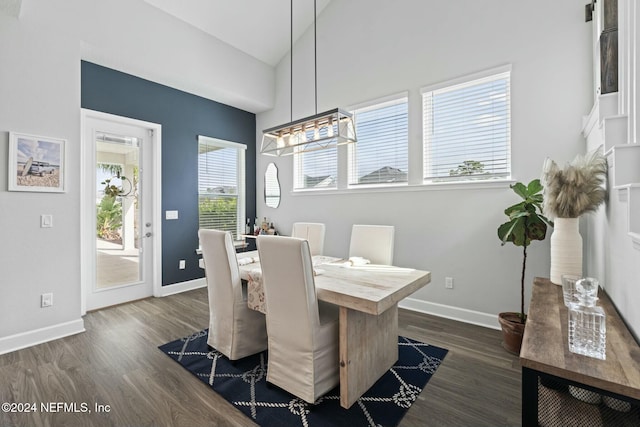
<point x="315" y="55"/>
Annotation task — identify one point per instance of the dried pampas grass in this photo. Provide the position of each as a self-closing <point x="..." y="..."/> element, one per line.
<point x="576" y="189"/>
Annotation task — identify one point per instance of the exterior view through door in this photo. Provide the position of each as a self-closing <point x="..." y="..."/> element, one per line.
<point x="119" y="204"/>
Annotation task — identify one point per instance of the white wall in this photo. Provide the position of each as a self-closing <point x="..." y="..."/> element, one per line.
<point x="621" y="276"/>
<point x="40" y="94"/>
<point x="368" y="49"/>
<point x="612" y="244"/>
<point x="39" y="82"/>
<point x="137" y="38"/>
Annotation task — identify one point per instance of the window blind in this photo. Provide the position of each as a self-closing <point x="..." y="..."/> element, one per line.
<point x="467" y="130"/>
<point x="221" y="185"/>
<point x="316" y="169"/>
<point x="381" y="154"/>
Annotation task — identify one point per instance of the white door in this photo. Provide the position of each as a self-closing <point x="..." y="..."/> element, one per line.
<point x="121" y="241"/>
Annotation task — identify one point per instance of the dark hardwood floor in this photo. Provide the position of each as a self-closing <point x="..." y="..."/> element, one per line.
<point x="116" y="362"/>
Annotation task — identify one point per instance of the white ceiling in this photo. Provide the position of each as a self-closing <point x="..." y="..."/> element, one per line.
<point x="257" y="27"/>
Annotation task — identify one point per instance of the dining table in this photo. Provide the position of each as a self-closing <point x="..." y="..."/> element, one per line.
<point x="367" y="296"/>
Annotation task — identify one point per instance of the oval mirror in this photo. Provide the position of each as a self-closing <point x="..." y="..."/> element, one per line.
<point x="271" y="186"/>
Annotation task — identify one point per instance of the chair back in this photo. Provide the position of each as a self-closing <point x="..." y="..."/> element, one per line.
<point x="223" y="284"/>
<point x="373" y="242"/>
<point x="290" y="295"/>
<point x="313" y="232"/>
<point x="222" y="273"/>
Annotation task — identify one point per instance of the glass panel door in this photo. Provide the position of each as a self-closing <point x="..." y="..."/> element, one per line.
<point x="118" y="210"/>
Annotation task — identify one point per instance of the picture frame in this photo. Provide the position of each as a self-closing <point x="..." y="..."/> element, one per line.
<point x="36" y="163"/>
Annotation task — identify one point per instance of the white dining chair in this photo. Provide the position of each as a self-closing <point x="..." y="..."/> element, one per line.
<point x="313" y="232"/>
<point x="372" y="242"/>
<point x="302" y="331"/>
<point x="234" y="329"/>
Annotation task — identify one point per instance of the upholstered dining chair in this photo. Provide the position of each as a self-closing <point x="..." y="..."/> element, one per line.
<point x="373" y="242"/>
<point x="303" y="332"/>
<point x="313" y="232"/>
<point x="234" y="329"/>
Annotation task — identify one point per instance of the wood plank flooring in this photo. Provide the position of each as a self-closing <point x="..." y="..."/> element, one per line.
<point x="117" y="363"/>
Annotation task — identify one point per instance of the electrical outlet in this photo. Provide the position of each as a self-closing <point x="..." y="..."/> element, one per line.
<point x="448" y="282"/>
<point x="183" y="264"/>
<point x="46" y="300"/>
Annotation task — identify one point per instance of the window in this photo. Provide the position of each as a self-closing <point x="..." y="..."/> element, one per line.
<point x="316" y="169"/>
<point x="221" y="185"/>
<point x="381" y="154"/>
<point x="379" y="157"/>
<point x="467" y="129"/>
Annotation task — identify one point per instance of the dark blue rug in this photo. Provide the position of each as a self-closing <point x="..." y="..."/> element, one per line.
<point x="244" y="386"/>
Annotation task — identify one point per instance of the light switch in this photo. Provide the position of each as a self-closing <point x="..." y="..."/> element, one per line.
<point x="46" y="300"/>
<point x="171" y="214"/>
<point x="46" y="221"/>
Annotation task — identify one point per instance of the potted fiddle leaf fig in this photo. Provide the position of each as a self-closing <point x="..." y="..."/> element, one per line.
<point x="526" y="223"/>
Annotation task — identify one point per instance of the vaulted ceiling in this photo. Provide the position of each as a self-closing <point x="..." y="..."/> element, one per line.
<point x="257" y="27"/>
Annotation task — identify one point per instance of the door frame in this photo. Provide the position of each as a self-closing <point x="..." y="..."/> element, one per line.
<point x="87" y="203"/>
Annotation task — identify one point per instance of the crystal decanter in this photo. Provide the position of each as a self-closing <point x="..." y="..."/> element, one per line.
<point x="587" y="322"/>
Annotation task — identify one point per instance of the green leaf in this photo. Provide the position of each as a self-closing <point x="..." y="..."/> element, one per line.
<point x="505" y="231"/>
<point x="534" y="188"/>
<point x="526" y="221"/>
<point x="520" y="189"/>
<point x="518" y="214"/>
<point x="516" y="207"/>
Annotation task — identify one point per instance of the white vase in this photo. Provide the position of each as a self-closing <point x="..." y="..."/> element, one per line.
<point x="566" y="249"/>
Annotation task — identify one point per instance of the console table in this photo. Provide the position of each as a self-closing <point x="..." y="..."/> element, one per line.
<point x="546" y="359"/>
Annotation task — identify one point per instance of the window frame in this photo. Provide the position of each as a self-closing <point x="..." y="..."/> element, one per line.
<point x="240" y="179"/>
<point x="492" y="74"/>
<point x="382" y="102"/>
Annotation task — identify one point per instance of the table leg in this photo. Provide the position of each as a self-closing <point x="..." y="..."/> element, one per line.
<point x="529" y="397"/>
<point x="368" y="348"/>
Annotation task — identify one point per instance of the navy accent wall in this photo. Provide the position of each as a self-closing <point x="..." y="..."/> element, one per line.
<point x="183" y="117"/>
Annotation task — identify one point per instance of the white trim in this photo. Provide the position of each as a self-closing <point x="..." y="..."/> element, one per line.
<point x="178" y="288"/>
<point x="241" y="195"/>
<point x="449" y="312"/>
<point x="447" y="186"/>
<point x="41" y="335"/>
<point x="395" y="98"/>
<point x="221" y="142"/>
<point x="491" y="74"/>
<point x="88" y="251"/>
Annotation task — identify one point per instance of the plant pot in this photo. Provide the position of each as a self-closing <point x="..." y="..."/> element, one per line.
<point x="512" y="331"/>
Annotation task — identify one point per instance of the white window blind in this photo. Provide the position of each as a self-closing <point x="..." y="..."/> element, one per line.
<point x="381" y="154"/>
<point x="467" y="130"/>
<point x="221" y="185"/>
<point x="316" y="169"/>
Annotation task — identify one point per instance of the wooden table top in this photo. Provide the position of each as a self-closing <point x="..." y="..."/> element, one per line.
<point x="370" y="288"/>
<point x="545" y="346"/>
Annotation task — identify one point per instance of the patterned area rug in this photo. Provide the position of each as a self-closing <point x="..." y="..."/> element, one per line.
<point x="244" y="386"/>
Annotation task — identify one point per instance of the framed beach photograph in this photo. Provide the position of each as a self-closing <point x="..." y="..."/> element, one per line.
<point x="36" y="163"/>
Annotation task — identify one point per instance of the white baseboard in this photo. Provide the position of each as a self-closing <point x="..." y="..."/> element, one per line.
<point x="449" y="312"/>
<point x="39" y="336"/>
<point x="177" y="288"/>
